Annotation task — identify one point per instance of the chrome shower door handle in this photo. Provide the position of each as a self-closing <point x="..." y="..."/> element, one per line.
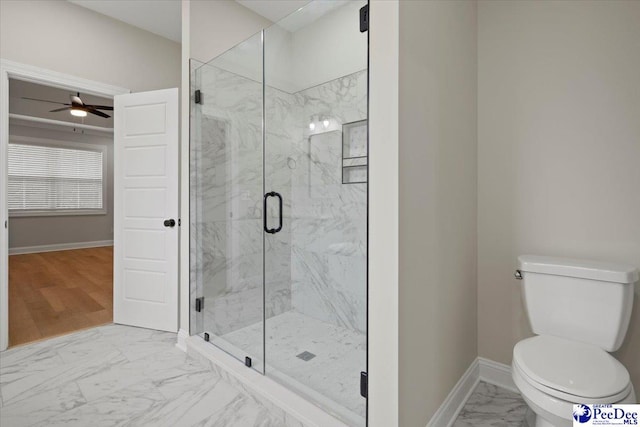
<point x="264" y="213"/>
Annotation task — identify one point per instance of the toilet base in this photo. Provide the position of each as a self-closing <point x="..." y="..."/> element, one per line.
<point x="538" y="421"/>
<point x="549" y="411"/>
<point x="529" y="418"/>
<point x="534" y="419"/>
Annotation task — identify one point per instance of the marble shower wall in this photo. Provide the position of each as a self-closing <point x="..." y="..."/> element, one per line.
<point x="281" y="138"/>
<point x="317" y="264"/>
<point x="329" y="218"/>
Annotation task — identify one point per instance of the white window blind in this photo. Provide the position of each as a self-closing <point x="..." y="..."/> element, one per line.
<point x="45" y="178"/>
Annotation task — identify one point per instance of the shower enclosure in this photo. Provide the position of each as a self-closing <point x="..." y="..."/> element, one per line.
<point x="278" y="190"/>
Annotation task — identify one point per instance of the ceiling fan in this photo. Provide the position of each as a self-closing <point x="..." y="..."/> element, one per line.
<point x="77" y="107"/>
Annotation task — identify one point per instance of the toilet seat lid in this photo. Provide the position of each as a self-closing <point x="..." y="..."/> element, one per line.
<point x="571" y="367"/>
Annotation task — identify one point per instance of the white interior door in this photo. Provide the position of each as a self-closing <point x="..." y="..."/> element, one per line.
<point x="145" y="288"/>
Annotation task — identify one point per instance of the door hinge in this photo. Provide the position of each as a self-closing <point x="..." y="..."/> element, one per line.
<point x="364" y="385"/>
<point x="6" y="224"/>
<point x="206" y="336"/>
<point x="247" y="361"/>
<point x="198" y="97"/>
<point x="364" y="18"/>
<point x="199" y="304"/>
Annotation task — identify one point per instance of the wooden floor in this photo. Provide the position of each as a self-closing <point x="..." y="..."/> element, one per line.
<point x="53" y="293"/>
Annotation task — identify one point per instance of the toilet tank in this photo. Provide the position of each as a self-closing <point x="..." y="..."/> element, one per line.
<point x="584" y="301"/>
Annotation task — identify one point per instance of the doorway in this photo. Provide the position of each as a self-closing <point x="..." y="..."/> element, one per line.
<point x="60" y="201"/>
<point x="62" y="300"/>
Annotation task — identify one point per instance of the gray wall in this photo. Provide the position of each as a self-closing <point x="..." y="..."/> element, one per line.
<point x="109" y="51"/>
<point x="438" y="158"/>
<point x="52" y="230"/>
<point x="46" y="34"/>
<point x="559" y="151"/>
<point x="216" y="26"/>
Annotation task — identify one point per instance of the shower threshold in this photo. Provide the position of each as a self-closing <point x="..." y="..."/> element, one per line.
<point x="330" y="379"/>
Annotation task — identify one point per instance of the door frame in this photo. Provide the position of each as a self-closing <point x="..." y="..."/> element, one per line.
<point x="32" y="74"/>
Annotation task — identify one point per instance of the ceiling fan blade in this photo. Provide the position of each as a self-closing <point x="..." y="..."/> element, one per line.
<point x="44" y="100"/>
<point x="60" y="109"/>
<point x="98" y="113"/>
<point x="100" y="107"/>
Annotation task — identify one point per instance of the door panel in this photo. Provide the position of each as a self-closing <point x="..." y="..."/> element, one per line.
<point x="226" y="204"/>
<point x="315" y="159"/>
<point x="145" y="195"/>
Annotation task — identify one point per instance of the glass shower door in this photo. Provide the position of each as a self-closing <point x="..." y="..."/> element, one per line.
<point x="315" y="229"/>
<point x="278" y="176"/>
<point x="226" y="201"/>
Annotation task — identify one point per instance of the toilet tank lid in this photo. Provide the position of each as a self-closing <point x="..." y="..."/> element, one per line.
<point x="584" y="269"/>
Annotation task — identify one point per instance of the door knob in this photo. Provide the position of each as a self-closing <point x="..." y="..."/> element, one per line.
<point x="169" y="222"/>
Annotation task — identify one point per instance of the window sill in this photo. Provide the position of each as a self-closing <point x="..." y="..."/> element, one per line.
<point x="70" y="212"/>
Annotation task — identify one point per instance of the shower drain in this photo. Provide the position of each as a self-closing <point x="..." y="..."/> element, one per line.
<point x="306" y="356"/>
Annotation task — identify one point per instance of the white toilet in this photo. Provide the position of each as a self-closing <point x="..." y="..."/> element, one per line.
<point x="580" y="311"/>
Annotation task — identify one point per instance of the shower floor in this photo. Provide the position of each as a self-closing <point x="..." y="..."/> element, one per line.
<point x="331" y="378"/>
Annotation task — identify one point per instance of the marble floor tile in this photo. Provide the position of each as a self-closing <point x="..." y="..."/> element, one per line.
<point x="242" y="411"/>
<point x="86" y="349"/>
<point x="193" y="406"/>
<point x="110" y="380"/>
<point x="58" y="376"/>
<point x="122" y="376"/>
<point x="42" y="406"/>
<point x="121" y="408"/>
<point x="492" y="406"/>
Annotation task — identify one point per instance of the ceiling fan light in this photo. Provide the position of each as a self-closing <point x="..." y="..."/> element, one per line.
<point x="78" y="112"/>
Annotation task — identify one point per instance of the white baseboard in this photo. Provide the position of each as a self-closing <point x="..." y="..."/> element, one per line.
<point x="59" y="247"/>
<point x="455" y="401"/>
<point x="497" y="374"/>
<point x="481" y="369"/>
<point x="182" y="340"/>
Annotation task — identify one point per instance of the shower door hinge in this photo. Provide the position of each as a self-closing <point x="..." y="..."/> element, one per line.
<point x="179" y="222"/>
<point x="364" y="19"/>
<point x="364" y="385"/>
<point x="198" y="97"/>
<point x="247" y="362"/>
<point x="199" y="304"/>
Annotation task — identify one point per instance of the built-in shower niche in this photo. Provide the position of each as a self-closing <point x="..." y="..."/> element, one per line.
<point x="354" y="152"/>
<point x="281" y="114"/>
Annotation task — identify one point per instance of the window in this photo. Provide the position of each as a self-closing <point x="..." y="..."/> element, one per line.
<point x="48" y="179"/>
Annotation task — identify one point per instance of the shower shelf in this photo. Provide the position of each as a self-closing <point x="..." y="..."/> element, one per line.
<point x="354" y="152"/>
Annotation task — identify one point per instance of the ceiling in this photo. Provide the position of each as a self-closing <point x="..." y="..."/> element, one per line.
<point x="161" y="17"/>
<point x="273" y="10"/>
<point x="17" y="105"/>
<point x="315" y="10"/>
